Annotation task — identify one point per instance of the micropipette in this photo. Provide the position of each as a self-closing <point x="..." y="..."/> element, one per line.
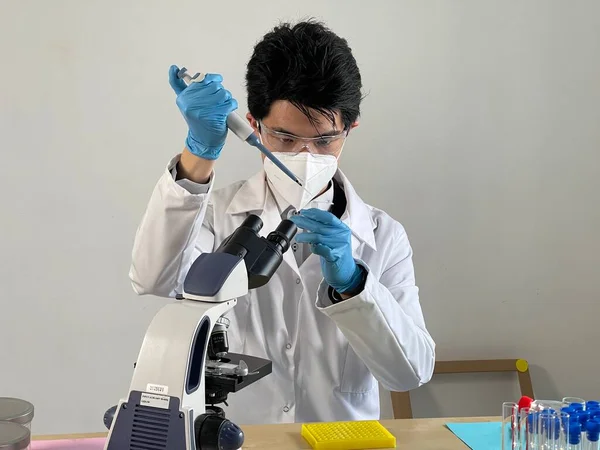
<point x="241" y="128"/>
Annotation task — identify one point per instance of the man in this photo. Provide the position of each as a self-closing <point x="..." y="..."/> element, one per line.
<point x="342" y="311"/>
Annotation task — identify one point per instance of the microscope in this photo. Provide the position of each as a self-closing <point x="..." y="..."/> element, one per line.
<point x="184" y="368"/>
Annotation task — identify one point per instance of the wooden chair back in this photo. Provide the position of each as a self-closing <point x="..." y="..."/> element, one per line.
<point x="401" y="403"/>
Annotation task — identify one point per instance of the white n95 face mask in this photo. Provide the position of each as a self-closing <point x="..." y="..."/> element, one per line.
<point x="314" y="171"/>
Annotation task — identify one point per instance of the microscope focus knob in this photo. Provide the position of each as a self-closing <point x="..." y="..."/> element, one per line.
<point x="109" y="416"/>
<point x="217" y="433"/>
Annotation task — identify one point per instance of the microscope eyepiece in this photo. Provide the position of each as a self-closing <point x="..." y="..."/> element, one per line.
<point x="253" y="222"/>
<point x="283" y="234"/>
<point x="262" y="256"/>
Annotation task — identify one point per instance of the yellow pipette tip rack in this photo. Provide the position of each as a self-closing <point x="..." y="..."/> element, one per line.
<point x="368" y="434"/>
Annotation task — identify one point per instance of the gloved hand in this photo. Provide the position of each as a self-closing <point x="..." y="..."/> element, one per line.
<point x="331" y="239"/>
<point x="205" y="106"/>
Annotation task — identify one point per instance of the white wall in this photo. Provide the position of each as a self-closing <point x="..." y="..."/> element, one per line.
<point x="481" y="125"/>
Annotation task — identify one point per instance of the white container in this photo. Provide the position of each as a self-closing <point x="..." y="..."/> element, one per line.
<point x="14" y="436"/>
<point x="17" y="411"/>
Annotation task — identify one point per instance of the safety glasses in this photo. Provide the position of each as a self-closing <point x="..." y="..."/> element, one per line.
<point x="277" y="141"/>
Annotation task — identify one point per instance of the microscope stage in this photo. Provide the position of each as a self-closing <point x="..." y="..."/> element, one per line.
<point x="257" y="369"/>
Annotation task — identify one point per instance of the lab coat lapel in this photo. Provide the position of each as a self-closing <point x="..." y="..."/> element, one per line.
<point x="254" y="197"/>
<point x="357" y="216"/>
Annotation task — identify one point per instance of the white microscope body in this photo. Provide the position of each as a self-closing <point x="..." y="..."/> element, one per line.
<point x="185" y="348"/>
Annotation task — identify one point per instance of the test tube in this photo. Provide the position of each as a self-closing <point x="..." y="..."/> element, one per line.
<point x="592" y="435"/>
<point x="532" y="429"/>
<point x="571" y="401"/>
<point x="523" y="441"/>
<point x="553" y="442"/>
<point x="574" y="437"/>
<point x="549" y="430"/>
<point x="564" y="417"/>
<point x="540" y="405"/>
<point x="510" y="415"/>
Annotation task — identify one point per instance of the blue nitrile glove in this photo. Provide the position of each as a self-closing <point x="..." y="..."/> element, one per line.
<point x="205" y="106"/>
<point x="331" y="239"/>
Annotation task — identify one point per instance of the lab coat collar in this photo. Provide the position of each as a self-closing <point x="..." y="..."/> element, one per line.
<point x="254" y="196"/>
<point x="251" y="196"/>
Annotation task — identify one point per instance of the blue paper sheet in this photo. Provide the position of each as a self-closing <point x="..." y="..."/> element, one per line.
<point x="478" y="435"/>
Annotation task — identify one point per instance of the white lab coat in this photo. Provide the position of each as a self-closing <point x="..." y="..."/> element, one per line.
<point x="327" y="358"/>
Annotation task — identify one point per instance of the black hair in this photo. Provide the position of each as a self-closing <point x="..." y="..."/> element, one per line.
<point x="309" y="66"/>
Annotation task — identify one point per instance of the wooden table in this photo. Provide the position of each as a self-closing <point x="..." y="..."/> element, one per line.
<point x="414" y="434"/>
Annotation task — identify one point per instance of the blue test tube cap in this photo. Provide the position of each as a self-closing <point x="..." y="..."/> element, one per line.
<point x="574" y="433"/>
<point x="576" y="406"/>
<point x="595" y="414"/>
<point x="593" y="430"/>
<point x="567" y="409"/>
<point x="583" y="417"/>
<point x="592" y="404"/>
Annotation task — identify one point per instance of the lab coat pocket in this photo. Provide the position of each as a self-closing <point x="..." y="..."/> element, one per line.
<point x="356" y="377"/>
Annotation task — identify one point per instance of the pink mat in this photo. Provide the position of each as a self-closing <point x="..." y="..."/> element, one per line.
<point x="70" y="444"/>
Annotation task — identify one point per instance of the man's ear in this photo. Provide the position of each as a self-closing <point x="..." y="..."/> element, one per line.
<point x="352" y="126"/>
<point x="253" y="122"/>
